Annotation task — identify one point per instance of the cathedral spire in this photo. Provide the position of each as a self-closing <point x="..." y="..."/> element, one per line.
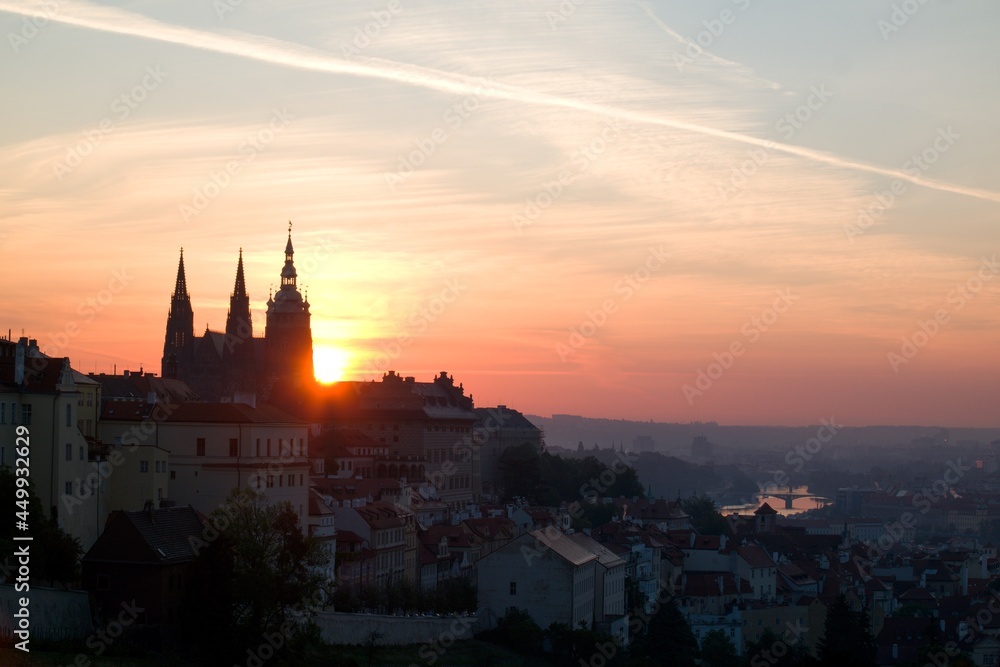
<point x="178" y="344"/>
<point x="180" y="287"/>
<point x="241" y="284"/>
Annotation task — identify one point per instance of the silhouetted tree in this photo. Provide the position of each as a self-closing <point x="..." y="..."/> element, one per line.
<point x="718" y="651"/>
<point x="704" y="517"/>
<point x="55" y="554"/>
<point x="669" y="640"/>
<point x="846" y="639"/>
<point x="257" y="579"/>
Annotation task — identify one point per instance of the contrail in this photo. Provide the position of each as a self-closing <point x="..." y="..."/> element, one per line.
<point x="677" y="37"/>
<point x="289" y="54"/>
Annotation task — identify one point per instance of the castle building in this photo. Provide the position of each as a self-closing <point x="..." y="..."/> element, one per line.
<point x="235" y="365"/>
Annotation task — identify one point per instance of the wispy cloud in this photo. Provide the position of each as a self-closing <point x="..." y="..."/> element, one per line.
<point x="288" y="54"/>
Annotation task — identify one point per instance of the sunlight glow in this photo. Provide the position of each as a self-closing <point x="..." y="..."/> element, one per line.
<point x="330" y="364"/>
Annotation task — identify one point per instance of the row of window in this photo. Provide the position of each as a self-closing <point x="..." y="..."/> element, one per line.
<point x="292" y="447"/>
<point x="269" y="480"/>
<point x="159" y="466"/>
<point x="25" y="413"/>
<point x="432" y="427"/>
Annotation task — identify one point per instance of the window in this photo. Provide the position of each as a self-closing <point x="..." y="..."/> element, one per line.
<point x="301" y="479"/>
<point x="201" y="447"/>
<point x="69" y="451"/>
<point x="69" y="488"/>
<point x="173" y="474"/>
<point x="159" y="494"/>
<point x="81" y="453"/>
<point x="3" y="413"/>
<point x="258" y="446"/>
<point x="234" y="447"/>
<point x="69" y="415"/>
<point x="13" y="412"/>
<point x="281" y="480"/>
<point x="513" y="588"/>
<point x="90" y="399"/>
<point x="143" y="466"/>
<point x="270" y="481"/>
<point x="268" y="446"/>
<point x="291" y="480"/>
<point x="26" y="415"/>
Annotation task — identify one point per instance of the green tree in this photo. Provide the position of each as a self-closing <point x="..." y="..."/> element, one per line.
<point x="718" y="651"/>
<point x="704" y="517"/>
<point x="669" y="640"/>
<point x="846" y="639"/>
<point x="258" y="578"/>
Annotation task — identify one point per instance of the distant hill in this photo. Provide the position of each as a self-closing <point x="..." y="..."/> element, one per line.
<point x="569" y="430"/>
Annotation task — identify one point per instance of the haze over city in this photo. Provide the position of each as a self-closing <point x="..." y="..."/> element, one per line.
<point x="743" y="212"/>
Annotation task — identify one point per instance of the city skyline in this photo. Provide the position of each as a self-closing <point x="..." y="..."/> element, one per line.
<point x="739" y="213"/>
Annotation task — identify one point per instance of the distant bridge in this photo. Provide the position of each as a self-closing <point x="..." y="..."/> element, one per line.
<point x="790" y="496"/>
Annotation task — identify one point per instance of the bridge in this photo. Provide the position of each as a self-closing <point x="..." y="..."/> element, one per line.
<point x="789" y="496"/>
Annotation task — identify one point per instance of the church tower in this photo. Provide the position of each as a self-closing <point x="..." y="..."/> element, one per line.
<point x="238" y="353"/>
<point x="178" y="348"/>
<point x="287" y="334"/>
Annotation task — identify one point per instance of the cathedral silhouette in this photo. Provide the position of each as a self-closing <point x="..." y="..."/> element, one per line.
<point x="235" y="365"/>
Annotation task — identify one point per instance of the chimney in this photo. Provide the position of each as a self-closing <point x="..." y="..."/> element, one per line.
<point x="19" y="354"/>
<point x="148" y="508"/>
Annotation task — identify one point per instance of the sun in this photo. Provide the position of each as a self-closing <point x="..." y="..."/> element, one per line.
<point x="330" y="364"/>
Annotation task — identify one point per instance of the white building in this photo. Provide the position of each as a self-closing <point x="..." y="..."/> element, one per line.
<point x="543" y="573"/>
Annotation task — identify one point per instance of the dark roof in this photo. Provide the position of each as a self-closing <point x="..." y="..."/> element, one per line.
<point x="162" y="536"/>
<point x="502" y="417"/>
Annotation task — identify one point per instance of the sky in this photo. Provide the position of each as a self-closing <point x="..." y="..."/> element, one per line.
<point x="736" y="211"/>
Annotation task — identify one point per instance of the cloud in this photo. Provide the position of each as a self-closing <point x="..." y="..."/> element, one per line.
<point x="288" y="54"/>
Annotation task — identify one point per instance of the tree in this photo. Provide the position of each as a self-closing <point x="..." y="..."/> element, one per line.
<point x="669" y="640"/>
<point x="718" y="651"/>
<point x="259" y="578"/>
<point x="55" y="553"/>
<point x="517" y="631"/>
<point x="704" y="517"/>
<point x="846" y="639"/>
<point x="775" y="651"/>
<point x="519" y="467"/>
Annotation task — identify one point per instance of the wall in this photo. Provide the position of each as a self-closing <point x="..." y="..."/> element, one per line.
<point x="355" y="629"/>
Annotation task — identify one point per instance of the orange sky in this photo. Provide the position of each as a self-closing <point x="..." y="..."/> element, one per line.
<point x="572" y="212"/>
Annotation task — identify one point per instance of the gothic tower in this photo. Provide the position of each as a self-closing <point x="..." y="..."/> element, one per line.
<point x="238" y="353"/>
<point x="178" y="348"/>
<point x="288" y="346"/>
